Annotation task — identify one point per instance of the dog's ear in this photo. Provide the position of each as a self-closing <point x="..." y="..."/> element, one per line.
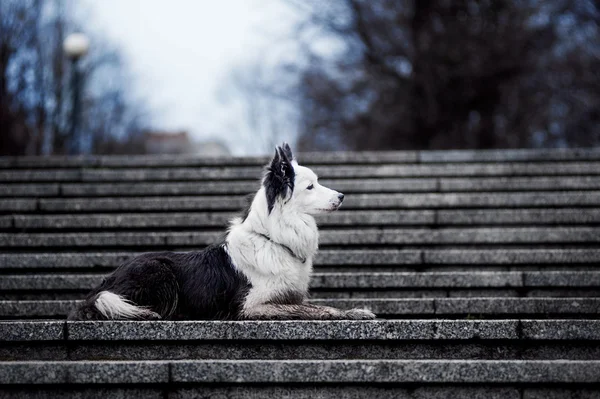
<point x="279" y="177"/>
<point x="288" y="151"/>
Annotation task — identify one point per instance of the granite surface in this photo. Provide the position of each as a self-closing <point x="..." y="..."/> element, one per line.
<point x="466" y="218"/>
<point x="301" y="371"/>
<point x="366" y="236"/>
<point x="387" y="371"/>
<point x="473" y="307"/>
<point x="347" y="330"/>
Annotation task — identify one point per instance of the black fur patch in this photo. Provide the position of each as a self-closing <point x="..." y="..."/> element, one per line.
<point x="279" y="178"/>
<point x="211" y="288"/>
<point x="200" y="285"/>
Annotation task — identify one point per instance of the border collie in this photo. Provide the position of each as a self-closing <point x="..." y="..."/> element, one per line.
<point x="261" y="270"/>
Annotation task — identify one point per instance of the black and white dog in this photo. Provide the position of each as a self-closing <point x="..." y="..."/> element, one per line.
<point x="260" y="271"/>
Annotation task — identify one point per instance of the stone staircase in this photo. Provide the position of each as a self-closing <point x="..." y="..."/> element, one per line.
<point x="484" y="267"/>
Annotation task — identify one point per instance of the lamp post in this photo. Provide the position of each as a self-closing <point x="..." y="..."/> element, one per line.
<point x="75" y="46"/>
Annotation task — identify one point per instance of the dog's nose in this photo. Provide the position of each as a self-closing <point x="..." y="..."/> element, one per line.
<point x="341" y="197"/>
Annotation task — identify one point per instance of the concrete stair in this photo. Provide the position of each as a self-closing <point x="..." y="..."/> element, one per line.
<point x="484" y="267"/>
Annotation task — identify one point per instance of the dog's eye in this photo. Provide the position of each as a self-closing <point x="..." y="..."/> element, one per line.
<point x="310" y="187"/>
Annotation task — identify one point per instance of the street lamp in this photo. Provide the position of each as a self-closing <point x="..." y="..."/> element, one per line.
<point x="75" y="46"/>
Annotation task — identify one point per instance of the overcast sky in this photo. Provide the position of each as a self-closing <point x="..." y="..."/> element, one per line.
<point x="180" y="52"/>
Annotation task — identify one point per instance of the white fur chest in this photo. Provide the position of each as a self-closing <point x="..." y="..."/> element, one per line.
<point x="270" y="267"/>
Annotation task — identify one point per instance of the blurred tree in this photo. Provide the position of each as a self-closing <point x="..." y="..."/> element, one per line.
<point x="34" y="86"/>
<point x="440" y="74"/>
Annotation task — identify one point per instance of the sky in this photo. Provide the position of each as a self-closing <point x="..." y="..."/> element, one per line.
<point x="181" y="53"/>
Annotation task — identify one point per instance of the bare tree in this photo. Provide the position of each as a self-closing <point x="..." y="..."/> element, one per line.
<point x="34" y="88"/>
<point x="435" y="74"/>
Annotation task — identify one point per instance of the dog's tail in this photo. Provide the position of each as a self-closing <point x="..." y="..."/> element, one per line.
<point x="113" y="306"/>
<point x="107" y="305"/>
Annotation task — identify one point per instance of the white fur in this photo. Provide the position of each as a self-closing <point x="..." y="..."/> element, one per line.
<point x="113" y="306"/>
<point x="269" y="266"/>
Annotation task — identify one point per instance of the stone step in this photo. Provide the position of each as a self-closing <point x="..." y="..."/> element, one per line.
<point x="349" y="281"/>
<point x="517" y="216"/>
<point x="516" y="155"/>
<point x="6" y="222"/>
<point x="372" y="293"/>
<point x="519" y="155"/>
<point x="360" y="201"/>
<point x="537" y="183"/>
<point x="366" y="236"/>
<point x="356" y="219"/>
<point x="296" y="330"/>
<point x="384" y="307"/>
<point x="373" y="285"/>
<point x="30" y="190"/>
<point x="221" y="219"/>
<point x="18" y="205"/>
<point x="300" y="330"/>
<point x="380" y="339"/>
<point x="369" y="293"/>
<point x="358" y="257"/>
<point x="325" y="172"/>
<point x="295" y="391"/>
<point x="348" y="186"/>
<point x="310" y="372"/>
<point x="364" y="157"/>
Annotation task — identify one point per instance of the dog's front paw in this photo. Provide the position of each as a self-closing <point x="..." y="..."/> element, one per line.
<point x="359" y="314"/>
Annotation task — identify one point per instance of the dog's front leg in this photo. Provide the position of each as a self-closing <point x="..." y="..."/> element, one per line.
<point x="352" y="314"/>
<point x="305" y="312"/>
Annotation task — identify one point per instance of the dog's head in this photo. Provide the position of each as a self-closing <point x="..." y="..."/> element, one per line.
<point x="294" y="187"/>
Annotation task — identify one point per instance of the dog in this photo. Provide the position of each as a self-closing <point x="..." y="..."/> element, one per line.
<point x="260" y="271"/>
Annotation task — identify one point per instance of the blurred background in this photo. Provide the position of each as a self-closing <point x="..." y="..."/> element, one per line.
<point x="238" y="76"/>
